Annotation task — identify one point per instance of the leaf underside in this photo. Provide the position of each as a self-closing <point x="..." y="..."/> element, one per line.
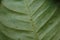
<point x="29" y="20"/>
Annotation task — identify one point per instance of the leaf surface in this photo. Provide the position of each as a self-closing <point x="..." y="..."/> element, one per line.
<point x="29" y="20"/>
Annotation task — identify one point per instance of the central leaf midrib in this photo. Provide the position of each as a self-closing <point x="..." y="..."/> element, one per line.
<point x="32" y="22"/>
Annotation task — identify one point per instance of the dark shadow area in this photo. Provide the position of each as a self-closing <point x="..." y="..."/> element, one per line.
<point x="0" y="1"/>
<point x="57" y="2"/>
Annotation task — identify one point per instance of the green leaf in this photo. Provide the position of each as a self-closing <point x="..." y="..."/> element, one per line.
<point x="29" y="20"/>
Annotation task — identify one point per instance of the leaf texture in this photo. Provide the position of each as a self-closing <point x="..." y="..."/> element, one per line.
<point x="29" y="20"/>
